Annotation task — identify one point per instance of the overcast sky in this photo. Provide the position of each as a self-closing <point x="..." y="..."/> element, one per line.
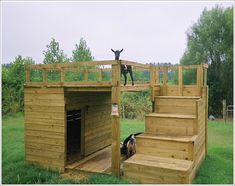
<point x="148" y="31"/>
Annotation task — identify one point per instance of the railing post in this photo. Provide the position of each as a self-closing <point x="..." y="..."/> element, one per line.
<point x="180" y="78"/>
<point x="199" y="79"/>
<point x="157" y="75"/>
<point x="100" y="75"/>
<point x="152" y="81"/>
<point x="86" y="75"/>
<point x="62" y="75"/>
<point x="115" y="161"/>
<point x="205" y="76"/>
<point x="44" y="70"/>
<point x="27" y="74"/>
<point x="165" y="69"/>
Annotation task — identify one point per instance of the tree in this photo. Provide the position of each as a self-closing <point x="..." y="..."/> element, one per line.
<point x="82" y="52"/>
<point x="53" y="53"/>
<point x="13" y="78"/>
<point x="210" y="41"/>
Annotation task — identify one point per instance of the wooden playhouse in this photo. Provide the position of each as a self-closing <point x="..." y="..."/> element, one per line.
<point x="69" y="126"/>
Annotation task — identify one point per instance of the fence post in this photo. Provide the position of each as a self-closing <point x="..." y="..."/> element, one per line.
<point x="224" y="110"/>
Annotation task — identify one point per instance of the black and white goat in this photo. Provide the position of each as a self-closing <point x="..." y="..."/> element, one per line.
<point x="128" y="147"/>
<point x="125" y="69"/>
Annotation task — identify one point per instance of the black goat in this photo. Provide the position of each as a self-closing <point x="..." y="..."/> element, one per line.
<point x="124" y="68"/>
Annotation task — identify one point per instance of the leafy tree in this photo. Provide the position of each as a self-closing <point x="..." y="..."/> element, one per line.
<point x="210" y="41"/>
<point x="53" y="53"/>
<point x="13" y="77"/>
<point x="82" y="52"/>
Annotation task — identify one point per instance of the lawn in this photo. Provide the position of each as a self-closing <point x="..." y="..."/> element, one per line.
<point x="217" y="168"/>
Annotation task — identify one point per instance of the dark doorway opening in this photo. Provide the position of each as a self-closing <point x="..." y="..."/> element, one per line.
<point x="74" y="136"/>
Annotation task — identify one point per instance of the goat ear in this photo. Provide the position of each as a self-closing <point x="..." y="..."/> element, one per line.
<point x="121" y="50"/>
<point x="112" y="50"/>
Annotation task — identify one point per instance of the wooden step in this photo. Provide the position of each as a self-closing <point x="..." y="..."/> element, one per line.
<point x="169" y="146"/>
<point x="143" y="168"/>
<point x="179" y="97"/>
<point x="172" y="115"/>
<point x="175" y="104"/>
<point x="170" y="124"/>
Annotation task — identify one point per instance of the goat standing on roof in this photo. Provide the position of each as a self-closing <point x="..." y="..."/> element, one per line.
<point x="124" y="68"/>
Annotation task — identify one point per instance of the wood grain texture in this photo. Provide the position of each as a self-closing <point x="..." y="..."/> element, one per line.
<point x="45" y="126"/>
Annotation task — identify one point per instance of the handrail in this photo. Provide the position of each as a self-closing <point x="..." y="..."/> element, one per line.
<point x="62" y="68"/>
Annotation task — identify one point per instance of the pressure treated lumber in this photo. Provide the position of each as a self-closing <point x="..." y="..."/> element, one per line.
<point x="152" y="169"/>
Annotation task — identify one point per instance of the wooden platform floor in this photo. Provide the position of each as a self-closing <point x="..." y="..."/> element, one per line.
<point x="99" y="162"/>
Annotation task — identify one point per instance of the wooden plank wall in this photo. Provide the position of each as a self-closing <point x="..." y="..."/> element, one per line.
<point x="97" y="110"/>
<point x="45" y="126"/>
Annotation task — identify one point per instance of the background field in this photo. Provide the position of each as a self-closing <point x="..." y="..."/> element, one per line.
<point x="217" y="168"/>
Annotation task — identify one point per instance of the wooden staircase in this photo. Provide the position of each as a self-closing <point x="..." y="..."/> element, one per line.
<point x="173" y="145"/>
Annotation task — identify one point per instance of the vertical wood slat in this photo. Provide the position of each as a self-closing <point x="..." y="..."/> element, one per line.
<point x="44" y="71"/>
<point x="85" y="75"/>
<point x="115" y="161"/>
<point x="157" y="75"/>
<point x="62" y="75"/>
<point x="100" y="75"/>
<point x="152" y="81"/>
<point x="180" y="79"/>
<point x="27" y="74"/>
<point x="165" y="80"/>
<point x="205" y="76"/>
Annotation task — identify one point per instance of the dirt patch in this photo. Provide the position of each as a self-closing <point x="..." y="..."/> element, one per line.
<point x="75" y="175"/>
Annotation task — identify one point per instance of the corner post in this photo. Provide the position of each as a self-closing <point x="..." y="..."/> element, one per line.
<point x="180" y="78"/>
<point x="152" y="84"/>
<point x="27" y="74"/>
<point x="115" y="161"/>
<point x="165" y="70"/>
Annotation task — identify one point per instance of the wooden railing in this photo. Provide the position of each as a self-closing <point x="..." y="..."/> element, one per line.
<point x="84" y="69"/>
<point x="158" y="79"/>
<point x="179" y="89"/>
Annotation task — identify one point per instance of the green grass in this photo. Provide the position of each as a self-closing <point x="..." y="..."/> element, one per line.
<point x="217" y="167"/>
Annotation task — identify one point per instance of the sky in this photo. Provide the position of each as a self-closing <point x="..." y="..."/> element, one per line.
<point x="147" y="31"/>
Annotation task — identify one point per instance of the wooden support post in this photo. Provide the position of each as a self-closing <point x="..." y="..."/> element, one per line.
<point x="100" y="75"/>
<point x="62" y="75"/>
<point x="153" y="77"/>
<point x="115" y="162"/>
<point x="165" y="69"/>
<point x="85" y="75"/>
<point x="199" y="80"/>
<point x="206" y="120"/>
<point x="224" y="110"/>
<point x="205" y="76"/>
<point x="152" y="81"/>
<point x="180" y="79"/>
<point x="44" y="75"/>
<point x="27" y="74"/>
<point x="157" y="75"/>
